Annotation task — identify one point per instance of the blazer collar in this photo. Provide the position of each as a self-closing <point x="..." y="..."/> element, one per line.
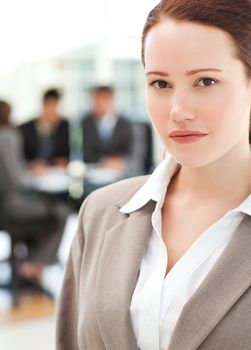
<point x="224" y="285"/>
<point x="154" y="187"/>
<point x="119" y="265"/>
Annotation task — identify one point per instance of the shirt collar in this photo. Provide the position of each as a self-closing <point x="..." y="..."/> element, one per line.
<point x="154" y="188"/>
<point x="245" y="206"/>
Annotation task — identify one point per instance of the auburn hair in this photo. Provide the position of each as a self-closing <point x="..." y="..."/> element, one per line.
<point x="231" y="16"/>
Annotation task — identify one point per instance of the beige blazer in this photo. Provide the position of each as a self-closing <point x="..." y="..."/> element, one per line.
<point x="102" y="272"/>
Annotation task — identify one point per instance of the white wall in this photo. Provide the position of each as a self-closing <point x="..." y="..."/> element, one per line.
<point x="35" y="35"/>
<point x="31" y="30"/>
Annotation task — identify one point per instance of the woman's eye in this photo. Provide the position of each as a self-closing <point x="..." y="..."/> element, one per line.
<point x="205" y="82"/>
<point x="160" y="84"/>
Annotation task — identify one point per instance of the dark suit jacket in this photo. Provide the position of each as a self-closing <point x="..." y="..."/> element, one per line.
<point x="60" y="139"/>
<point x="94" y="310"/>
<point x="93" y="147"/>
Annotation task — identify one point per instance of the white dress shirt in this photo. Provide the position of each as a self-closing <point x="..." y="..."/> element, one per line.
<point x="105" y="126"/>
<point x="157" y="300"/>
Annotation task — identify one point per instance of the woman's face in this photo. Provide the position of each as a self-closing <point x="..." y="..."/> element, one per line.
<point x="198" y="94"/>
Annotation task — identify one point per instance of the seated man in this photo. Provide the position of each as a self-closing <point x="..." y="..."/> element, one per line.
<point x="107" y="137"/>
<point x="46" y="138"/>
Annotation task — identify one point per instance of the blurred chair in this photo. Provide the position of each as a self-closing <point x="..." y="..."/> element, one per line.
<point x="18" y="233"/>
<point x="12" y="259"/>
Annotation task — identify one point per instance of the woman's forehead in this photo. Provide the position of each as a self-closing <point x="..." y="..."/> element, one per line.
<point x="181" y="41"/>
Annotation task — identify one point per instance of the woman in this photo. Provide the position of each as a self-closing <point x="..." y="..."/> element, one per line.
<point x="28" y="216"/>
<point x="171" y="269"/>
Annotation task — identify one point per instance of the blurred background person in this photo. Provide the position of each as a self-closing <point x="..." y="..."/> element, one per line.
<point x="107" y="136"/>
<point x="39" y="221"/>
<point x="90" y="51"/>
<point x="46" y="138"/>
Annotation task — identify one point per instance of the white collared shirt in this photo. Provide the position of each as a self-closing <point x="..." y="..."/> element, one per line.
<point x="157" y="300"/>
<point x="105" y="126"/>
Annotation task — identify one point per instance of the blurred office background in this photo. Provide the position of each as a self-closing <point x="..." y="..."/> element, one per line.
<point x="74" y="46"/>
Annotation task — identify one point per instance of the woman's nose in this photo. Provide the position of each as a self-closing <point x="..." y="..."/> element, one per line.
<point x="181" y="109"/>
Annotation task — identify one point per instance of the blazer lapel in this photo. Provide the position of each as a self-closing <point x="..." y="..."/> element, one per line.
<point x="119" y="265"/>
<point x="223" y="286"/>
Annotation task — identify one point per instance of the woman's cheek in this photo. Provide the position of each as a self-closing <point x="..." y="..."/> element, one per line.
<point x="218" y="114"/>
<point x="158" y="110"/>
<point x="158" y="121"/>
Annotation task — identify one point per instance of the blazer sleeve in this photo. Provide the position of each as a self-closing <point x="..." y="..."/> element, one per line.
<point x="123" y="137"/>
<point x="92" y="148"/>
<point x="67" y="313"/>
<point x="62" y="140"/>
<point x="12" y="165"/>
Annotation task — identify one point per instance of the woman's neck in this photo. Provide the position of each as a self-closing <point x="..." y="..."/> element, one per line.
<point x="227" y="178"/>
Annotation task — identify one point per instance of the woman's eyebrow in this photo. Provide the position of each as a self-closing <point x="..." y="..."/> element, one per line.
<point x="192" y="72"/>
<point x="195" y="71"/>
<point x="162" y="74"/>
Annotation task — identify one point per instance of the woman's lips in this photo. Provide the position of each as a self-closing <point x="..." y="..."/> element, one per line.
<point x="186" y="136"/>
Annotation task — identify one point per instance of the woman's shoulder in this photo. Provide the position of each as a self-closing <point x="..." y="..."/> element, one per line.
<point x="100" y="210"/>
<point x="116" y="192"/>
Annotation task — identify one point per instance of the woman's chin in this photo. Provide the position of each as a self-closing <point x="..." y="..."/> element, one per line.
<point x="191" y="161"/>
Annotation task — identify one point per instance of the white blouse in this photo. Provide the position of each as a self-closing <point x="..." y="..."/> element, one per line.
<point x="157" y="300"/>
